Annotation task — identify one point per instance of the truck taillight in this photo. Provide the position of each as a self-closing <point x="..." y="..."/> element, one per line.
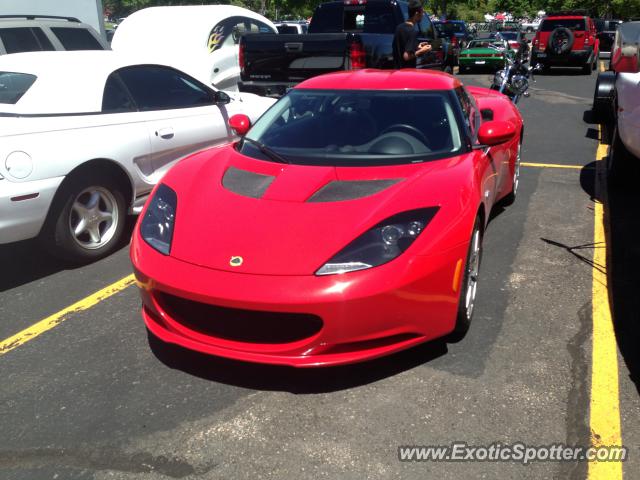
<point x="454" y="41"/>
<point x="514" y="44"/>
<point x="357" y="56"/>
<point x="241" y="57"/>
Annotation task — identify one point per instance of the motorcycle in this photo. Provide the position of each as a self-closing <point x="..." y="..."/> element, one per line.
<point x="513" y="80"/>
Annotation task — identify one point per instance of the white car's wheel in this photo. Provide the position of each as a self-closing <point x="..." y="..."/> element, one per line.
<point x="87" y="219"/>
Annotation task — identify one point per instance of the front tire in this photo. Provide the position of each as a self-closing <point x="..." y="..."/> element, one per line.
<point x="469" y="285"/>
<point x="511" y="196"/>
<point x="86" y="220"/>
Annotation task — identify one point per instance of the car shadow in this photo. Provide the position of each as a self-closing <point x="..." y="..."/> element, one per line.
<point x="623" y="264"/>
<point x="27" y="261"/>
<point x="622" y="228"/>
<point x="563" y="72"/>
<point x="290" y="379"/>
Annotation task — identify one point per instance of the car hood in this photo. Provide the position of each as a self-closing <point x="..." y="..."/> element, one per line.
<point x="284" y="219"/>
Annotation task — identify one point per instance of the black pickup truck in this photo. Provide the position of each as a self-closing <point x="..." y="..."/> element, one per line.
<point x="343" y="35"/>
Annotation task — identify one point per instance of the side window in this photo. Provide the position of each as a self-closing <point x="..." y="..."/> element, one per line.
<point x="115" y="97"/>
<point x="76" y="38"/>
<point x="470" y="110"/>
<point x="259" y="27"/>
<point x="24" y="39"/>
<point x="160" y="88"/>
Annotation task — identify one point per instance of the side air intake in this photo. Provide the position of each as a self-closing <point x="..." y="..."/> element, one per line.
<point x="248" y="184"/>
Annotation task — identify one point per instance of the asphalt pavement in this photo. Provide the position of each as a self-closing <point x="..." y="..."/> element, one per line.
<point x="97" y="398"/>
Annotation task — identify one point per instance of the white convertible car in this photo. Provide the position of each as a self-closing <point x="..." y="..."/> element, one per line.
<point x="84" y="137"/>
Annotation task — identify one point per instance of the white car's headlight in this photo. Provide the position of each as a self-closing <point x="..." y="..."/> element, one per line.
<point x="380" y="244"/>
<point x="19" y="165"/>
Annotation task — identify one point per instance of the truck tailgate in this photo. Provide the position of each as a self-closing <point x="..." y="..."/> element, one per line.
<point x="293" y="58"/>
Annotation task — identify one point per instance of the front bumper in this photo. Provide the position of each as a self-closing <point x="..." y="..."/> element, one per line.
<point x="364" y="315"/>
<point x="24" y="207"/>
<point x="576" y="58"/>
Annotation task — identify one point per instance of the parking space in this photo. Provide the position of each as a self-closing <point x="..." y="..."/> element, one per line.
<point x="97" y="397"/>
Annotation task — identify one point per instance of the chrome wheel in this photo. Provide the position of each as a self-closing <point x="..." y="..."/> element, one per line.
<point x="94" y="217"/>
<point x="473" y="269"/>
<point x="516" y="171"/>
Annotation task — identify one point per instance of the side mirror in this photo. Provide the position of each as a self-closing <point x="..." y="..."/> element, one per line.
<point x="221" y="98"/>
<point x="240" y="124"/>
<point x="496" y="132"/>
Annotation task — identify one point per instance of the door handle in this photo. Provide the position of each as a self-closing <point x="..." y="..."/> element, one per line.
<point x="166" y="133"/>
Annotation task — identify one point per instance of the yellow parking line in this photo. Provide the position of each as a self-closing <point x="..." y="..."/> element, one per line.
<point x="605" y="402"/>
<point x="551" y="165"/>
<point x="56" y="319"/>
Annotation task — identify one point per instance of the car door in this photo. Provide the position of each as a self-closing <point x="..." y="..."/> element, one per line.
<point x="492" y="158"/>
<point x="180" y="113"/>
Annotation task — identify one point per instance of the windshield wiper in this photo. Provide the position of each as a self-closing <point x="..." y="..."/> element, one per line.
<point x="273" y="155"/>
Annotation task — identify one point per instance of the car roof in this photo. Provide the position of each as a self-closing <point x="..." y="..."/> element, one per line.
<point x="67" y="81"/>
<point x="178" y="29"/>
<point x="370" y="79"/>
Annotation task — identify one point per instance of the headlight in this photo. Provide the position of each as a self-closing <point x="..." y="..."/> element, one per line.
<point x="158" y="222"/>
<point x="380" y="244"/>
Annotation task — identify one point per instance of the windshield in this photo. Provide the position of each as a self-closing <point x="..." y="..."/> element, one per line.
<point x="571" y="23"/>
<point x="509" y="35"/>
<point x="14" y="85"/>
<point x="485" y="44"/>
<point x="356" y="128"/>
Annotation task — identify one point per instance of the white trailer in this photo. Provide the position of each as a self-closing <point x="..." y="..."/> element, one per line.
<point x="87" y="11"/>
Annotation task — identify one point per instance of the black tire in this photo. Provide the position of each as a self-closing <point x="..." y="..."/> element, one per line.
<point x="511" y="196"/>
<point x="56" y="235"/>
<point x="462" y="70"/>
<point x="619" y="162"/>
<point x="554" y="44"/>
<point x="603" y="97"/>
<point x="586" y="69"/>
<point x="465" y="314"/>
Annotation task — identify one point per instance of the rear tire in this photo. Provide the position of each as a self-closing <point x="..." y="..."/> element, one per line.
<point x="469" y="285"/>
<point x="86" y="220"/>
<point x="586" y="69"/>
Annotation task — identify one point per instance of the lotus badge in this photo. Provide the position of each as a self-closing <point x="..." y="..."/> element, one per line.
<point x="235" y="261"/>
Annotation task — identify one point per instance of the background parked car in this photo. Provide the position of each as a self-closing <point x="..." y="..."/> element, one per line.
<point x="23" y="33"/>
<point x="606" y="33"/>
<point x="343" y="35"/>
<point x="484" y="54"/>
<point x="616" y="100"/>
<point x="199" y="40"/>
<point x="84" y="137"/>
<point x="566" y="39"/>
<point x="455" y="29"/>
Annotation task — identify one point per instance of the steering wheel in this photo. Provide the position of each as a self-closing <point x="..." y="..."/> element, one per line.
<point x="410" y="129"/>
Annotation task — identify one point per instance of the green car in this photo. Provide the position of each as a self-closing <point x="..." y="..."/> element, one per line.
<point x="485" y="54"/>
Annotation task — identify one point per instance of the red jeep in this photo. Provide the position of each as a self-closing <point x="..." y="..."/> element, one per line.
<point x="566" y="39"/>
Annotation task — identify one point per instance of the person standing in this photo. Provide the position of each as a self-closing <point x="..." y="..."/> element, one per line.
<point x="406" y="48"/>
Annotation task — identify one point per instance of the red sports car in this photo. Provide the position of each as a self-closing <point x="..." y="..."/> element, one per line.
<point x="346" y="224"/>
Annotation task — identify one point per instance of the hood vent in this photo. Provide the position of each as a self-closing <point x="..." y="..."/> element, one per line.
<point x="339" y="191"/>
<point x="247" y="184"/>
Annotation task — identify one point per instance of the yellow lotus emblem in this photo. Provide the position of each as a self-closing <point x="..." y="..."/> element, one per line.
<point x="236" y="261"/>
